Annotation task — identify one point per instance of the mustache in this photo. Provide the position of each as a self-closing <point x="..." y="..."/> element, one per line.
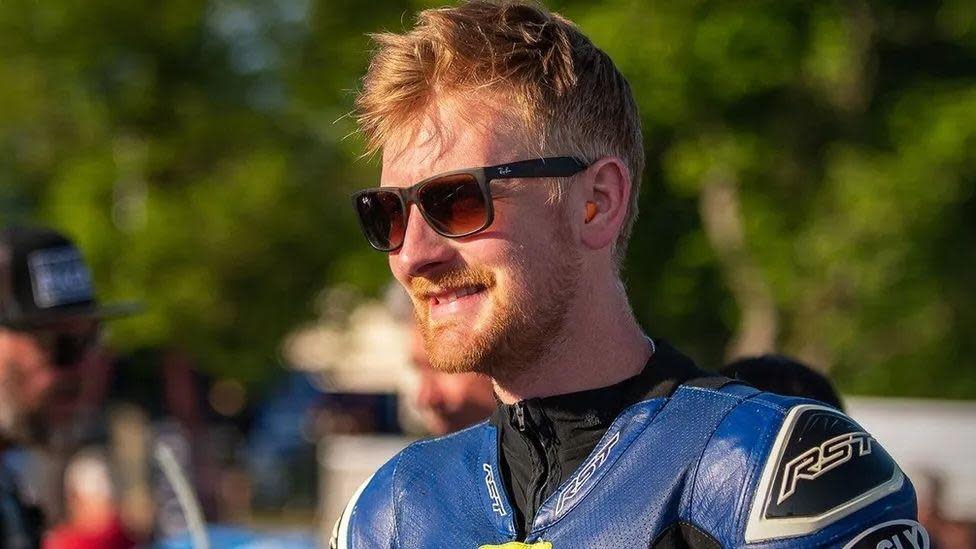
<point x="425" y="286"/>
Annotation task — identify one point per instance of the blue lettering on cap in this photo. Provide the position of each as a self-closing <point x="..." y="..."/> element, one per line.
<point x="59" y="277"/>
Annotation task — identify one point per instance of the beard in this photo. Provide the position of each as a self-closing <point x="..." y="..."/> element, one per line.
<point x="528" y="315"/>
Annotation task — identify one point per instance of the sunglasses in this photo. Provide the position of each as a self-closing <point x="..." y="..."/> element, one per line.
<point x="455" y="204"/>
<point x="65" y="348"/>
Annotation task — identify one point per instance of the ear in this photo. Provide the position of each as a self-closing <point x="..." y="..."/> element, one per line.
<point x="605" y="202"/>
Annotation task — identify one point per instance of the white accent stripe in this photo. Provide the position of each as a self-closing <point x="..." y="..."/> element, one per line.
<point x="346" y="516"/>
<point x="914" y="528"/>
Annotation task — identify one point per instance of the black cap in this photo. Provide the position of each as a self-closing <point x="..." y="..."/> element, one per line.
<point x="44" y="279"/>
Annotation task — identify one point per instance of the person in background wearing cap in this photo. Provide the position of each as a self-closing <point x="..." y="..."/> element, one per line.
<point x="783" y="375"/>
<point x="49" y="320"/>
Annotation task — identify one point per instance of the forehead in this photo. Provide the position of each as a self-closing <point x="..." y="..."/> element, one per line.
<point x="450" y="135"/>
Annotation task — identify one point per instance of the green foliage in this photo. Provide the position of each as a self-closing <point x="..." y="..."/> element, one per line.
<point x="848" y="127"/>
<point x="201" y="154"/>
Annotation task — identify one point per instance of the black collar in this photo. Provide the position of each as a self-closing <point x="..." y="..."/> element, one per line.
<point x="665" y="370"/>
<point x="542" y="441"/>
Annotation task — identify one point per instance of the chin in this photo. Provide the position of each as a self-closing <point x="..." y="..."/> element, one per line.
<point x="452" y="345"/>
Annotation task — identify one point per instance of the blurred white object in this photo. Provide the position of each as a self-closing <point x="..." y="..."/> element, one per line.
<point x="87" y="475"/>
<point x="366" y="354"/>
<point x="346" y="461"/>
<point x="184" y="493"/>
<point x="928" y="438"/>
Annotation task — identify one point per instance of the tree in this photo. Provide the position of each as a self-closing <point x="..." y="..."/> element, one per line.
<point x="809" y="183"/>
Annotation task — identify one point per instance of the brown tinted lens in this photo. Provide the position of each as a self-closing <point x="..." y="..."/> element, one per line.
<point x="454" y="204"/>
<point x="381" y="216"/>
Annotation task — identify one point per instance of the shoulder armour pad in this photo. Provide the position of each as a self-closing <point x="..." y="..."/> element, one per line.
<point x="822" y="467"/>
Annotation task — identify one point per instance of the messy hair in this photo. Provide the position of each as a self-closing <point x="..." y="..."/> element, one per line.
<point x="565" y="93"/>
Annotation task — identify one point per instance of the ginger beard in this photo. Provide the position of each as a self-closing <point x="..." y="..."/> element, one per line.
<point x="527" y="307"/>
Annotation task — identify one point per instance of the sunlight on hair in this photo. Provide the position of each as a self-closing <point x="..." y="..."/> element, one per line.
<point x="565" y="94"/>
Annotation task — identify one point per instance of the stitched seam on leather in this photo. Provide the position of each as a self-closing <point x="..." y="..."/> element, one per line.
<point x="715" y="392"/>
<point x="772" y="405"/>
<point x="394" y="496"/>
<point x="751" y="397"/>
<point x="694" y="479"/>
<point x="755" y="468"/>
<point x="623" y="450"/>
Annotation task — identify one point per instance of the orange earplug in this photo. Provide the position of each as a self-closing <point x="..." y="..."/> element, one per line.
<point x="590" y="211"/>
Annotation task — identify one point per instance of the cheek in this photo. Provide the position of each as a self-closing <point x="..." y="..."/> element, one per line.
<point x="40" y="383"/>
<point x="392" y="262"/>
<point x="35" y="370"/>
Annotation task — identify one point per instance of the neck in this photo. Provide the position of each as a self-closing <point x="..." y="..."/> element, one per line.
<point x="601" y="344"/>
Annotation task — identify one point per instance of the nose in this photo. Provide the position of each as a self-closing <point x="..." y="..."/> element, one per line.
<point x="423" y="250"/>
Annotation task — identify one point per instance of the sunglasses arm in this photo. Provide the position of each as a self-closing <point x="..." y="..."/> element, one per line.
<point x="563" y="166"/>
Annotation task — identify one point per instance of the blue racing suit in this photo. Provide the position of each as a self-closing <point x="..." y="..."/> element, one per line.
<point x="709" y="465"/>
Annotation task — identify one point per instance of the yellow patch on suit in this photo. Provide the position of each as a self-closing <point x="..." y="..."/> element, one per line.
<point x="519" y="545"/>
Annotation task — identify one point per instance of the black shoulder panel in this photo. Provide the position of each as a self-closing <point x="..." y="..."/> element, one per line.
<point x="715" y="382"/>
<point x="827" y="460"/>
<point x="823" y="466"/>
<point x="684" y="535"/>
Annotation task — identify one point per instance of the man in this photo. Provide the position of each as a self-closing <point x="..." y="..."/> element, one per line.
<point x="448" y="402"/>
<point x="49" y="319"/>
<point x="512" y="153"/>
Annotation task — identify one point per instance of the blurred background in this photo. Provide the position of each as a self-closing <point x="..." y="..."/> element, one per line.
<point x="810" y="189"/>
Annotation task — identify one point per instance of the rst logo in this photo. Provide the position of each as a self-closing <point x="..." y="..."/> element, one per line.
<point x="589" y="469"/>
<point x="818" y="460"/>
<point x="493" y="495"/>
<point x="895" y="534"/>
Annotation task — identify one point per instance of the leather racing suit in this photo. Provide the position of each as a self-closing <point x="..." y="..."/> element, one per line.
<point x="705" y="463"/>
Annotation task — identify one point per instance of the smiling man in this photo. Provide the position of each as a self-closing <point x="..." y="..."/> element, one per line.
<point x="512" y="154"/>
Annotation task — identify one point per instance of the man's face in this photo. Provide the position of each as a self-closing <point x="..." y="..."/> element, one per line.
<point x="31" y="362"/>
<point x="497" y="300"/>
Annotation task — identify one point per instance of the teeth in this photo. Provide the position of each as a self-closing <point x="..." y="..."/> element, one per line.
<point x="457" y="294"/>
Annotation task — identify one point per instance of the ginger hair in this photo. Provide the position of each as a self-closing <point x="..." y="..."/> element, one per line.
<point x="566" y="95"/>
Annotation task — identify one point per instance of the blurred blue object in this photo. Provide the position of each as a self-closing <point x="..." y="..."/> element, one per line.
<point x="281" y="449"/>
<point x="228" y="537"/>
<point x="280" y="423"/>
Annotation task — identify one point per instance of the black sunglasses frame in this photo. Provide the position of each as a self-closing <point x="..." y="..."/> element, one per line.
<point x="557" y="166"/>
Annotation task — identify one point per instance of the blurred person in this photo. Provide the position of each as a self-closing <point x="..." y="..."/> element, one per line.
<point x="49" y="320"/>
<point x="448" y="402"/>
<point x="946" y="533"/>
<point x="93" y="510"/>
<point x="784" y="376"/>
<point x="511" y="160"/>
